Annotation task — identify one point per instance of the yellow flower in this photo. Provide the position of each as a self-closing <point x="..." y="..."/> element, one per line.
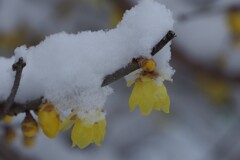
<point x="89" y="128"/>
<point x="216" y="89"/>
<point x="148" y="93"/>
<point x="7" y="119"/>
<point x="234" y="20"/>
<point x="49" y="120"/>
<point x="29" y="126"/>
<point x="83" y="134"/>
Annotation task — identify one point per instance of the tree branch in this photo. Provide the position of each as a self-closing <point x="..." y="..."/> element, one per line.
<point x="18" y="67"/>
<point x="132" y="66"/>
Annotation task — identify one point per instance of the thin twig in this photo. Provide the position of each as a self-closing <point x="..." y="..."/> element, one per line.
<point x="132" y="66"/>
<point x="19" y="108"/>
<point x="33" y="105"/>
<point x="18" y="67"/>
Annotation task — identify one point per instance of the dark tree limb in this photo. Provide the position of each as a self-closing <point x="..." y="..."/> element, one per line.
<point x="132" y="66"/>
<point x="18" y="67"/>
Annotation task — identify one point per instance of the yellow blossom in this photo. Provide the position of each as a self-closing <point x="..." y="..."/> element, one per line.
<point x="29" y="126"/>
<point x="149" y="92"/>
<point x="7" y="119"/>
<point x="234" y="20"/>
<point x="83" y="134"/>
<point x="216" y="89"/>
<point x="49" y="120"/>
<point x="149" y="95"/>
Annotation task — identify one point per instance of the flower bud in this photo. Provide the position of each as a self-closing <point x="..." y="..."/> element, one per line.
<point x="147" y="65"/>
<point x="29" y="126"/>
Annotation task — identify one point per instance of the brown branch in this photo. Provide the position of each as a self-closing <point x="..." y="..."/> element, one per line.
<point x="20" y="108"/>
<point x="132" y="66"/>
<point x="33" y="105"/>
<point x="18" y="67"/>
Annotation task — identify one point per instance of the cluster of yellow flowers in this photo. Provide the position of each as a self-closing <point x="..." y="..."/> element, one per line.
<point x="89" y="125"/>
<point x="86" y="130"/>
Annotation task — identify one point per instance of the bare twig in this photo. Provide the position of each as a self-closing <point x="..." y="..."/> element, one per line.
<point x="33" y="105"/>
<point x="18" y="67"/>
<point x="19" y="108"/>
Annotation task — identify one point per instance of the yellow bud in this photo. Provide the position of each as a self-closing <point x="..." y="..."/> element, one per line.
<point x="7" y="119"/>
<point x="29" y="126"/>
<point x="49" y="120"/>
<point x="28" y="142"/>
<point x="10" y="134"/>
<point x="148" y="65"/>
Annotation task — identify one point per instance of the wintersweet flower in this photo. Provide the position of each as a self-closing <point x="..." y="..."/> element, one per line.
<point x="29" y="126"/>
<point x="7" y="119"/>
<point x="49" y="120"/>
<point x="88" y="127"/>
<point x="149" y="92"/>
<point x="233" y="18"/>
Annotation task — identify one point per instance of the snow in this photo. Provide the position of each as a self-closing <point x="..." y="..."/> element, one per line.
<point x="68" y="69"/>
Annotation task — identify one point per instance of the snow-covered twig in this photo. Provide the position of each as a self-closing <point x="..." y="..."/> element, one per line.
<point x="132" y="66"/>
<point x="18" y="67"/>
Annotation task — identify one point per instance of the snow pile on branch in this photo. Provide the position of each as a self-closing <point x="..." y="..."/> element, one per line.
<point x="68" y="69"/>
